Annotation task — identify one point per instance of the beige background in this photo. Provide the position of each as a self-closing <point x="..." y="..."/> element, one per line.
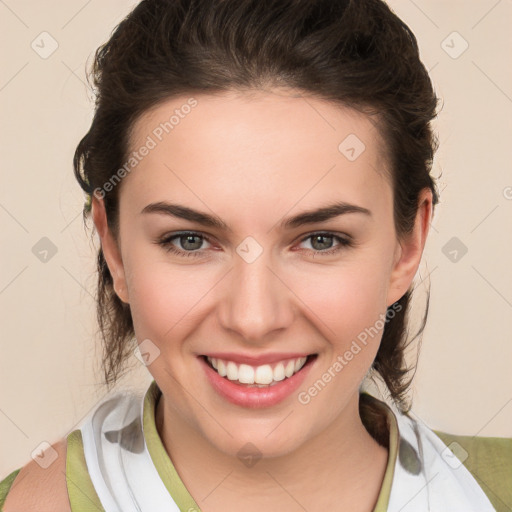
<point x="49" y="367"/>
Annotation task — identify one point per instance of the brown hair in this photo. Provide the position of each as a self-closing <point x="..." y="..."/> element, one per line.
<point x="356" y="53"/>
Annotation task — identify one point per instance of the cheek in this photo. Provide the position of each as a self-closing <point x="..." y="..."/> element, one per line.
<point x="351" y="304"/>
<point x="164" y="299"/>
<point x="346" y="300"/>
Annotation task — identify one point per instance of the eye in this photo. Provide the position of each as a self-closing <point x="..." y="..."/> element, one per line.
<point x="322" y="243"/>
<point x="190" y="241"/>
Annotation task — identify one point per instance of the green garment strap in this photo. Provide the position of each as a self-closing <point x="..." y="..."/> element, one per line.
<point x="82" y="495"/>
<point x="161" y="459"/>
<point x="5" y="486"/>
<point x="177" y="488"/>
<point x="81" y="492"/>
<point x="385" y="491"/>
<point x="489" y="460"/>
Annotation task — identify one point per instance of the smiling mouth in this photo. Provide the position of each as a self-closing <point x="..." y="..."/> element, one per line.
<point x="262" y="376"/>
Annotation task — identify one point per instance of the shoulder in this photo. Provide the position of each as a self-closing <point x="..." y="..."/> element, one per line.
<point x="489" y="460"/>
<point x="38" y="486"/>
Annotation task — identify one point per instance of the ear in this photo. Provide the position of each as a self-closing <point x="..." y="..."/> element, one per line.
<point x="110" y="248"/>
<point x="409" y="251"/>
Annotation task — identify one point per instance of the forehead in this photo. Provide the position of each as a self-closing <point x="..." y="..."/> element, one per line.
<point x="271" y="148"/>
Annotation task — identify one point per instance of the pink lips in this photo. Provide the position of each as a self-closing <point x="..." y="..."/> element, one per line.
<point x="254" y="397"/>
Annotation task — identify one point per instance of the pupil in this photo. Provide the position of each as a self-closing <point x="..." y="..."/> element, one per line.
<point x="188" y="238"/>
<point x="321" y="237"/>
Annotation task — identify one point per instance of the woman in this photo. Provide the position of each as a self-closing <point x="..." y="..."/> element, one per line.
<point x="259" y="178"/>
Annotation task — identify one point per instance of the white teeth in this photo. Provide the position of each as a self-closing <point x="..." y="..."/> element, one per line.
<point x="246" y="374"/>
<point x="289" y="369"/>
<point x="232" y="371"/>
<point x="279" y="372"/>
<point x="264" y="374"/>
<point x="221" y="368"/>
<point x="260" y="376"/>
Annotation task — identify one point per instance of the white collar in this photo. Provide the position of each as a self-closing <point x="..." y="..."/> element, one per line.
<point x="426" y="476"/>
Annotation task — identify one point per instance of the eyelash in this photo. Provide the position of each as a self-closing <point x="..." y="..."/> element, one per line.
<point x="165" y="242"/>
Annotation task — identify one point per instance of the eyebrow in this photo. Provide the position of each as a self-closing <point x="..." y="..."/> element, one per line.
<point x="308" y="217"/>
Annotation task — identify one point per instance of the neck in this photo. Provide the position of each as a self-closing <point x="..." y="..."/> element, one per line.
<point x="344" y="457"/>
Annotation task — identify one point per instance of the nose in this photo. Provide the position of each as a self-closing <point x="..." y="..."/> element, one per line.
<point x="256" y="303"/>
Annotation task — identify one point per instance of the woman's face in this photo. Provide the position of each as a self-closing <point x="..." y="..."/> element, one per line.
<point x="264" y="284"/>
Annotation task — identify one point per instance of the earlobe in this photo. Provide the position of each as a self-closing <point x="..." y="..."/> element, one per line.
<point x="110" y="248"/>
<point x="410" y="250"/>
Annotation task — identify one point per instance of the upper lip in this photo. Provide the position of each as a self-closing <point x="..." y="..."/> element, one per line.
<point x="257" y="360"/>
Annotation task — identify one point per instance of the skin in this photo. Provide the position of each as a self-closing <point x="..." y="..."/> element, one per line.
<point x="252" y="161"/>
<point x="41" y="489"/>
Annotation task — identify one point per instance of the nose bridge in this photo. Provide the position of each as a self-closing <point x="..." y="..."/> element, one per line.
<point x="256" y="301"/>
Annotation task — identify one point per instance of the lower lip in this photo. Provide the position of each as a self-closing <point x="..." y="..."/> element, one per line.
<point x="256" y="397"/>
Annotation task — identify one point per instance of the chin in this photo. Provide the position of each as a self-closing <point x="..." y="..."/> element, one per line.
<point x="260" y="445"/>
